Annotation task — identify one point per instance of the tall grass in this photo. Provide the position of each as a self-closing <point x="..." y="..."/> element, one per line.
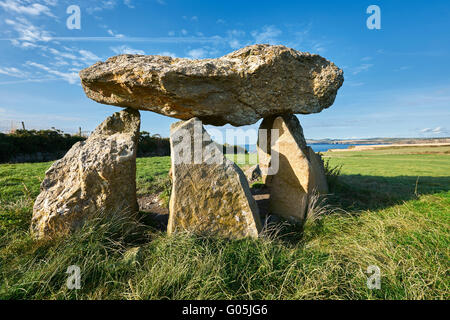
<point x="408" y="243"/>
<point x="406" y="236"/>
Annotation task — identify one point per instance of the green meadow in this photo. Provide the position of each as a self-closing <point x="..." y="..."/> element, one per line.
<point x="388" y="208"/>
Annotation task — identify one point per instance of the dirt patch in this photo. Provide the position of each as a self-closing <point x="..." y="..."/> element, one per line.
<point x="153" y="213"/>
<point x="151" y="204"/>
<point x="262" y="198"/>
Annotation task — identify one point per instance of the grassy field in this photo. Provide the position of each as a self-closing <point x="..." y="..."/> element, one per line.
<point x="388" y="208"/>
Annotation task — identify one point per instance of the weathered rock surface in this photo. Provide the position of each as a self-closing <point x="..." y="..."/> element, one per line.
<point x="239" y="88"/>
<point x="300" y="170"/>
<point x="95" y="176"/>
<point x="253" y="173"/>
<point x="210" y="194"/>
<point x="319" y="180"/>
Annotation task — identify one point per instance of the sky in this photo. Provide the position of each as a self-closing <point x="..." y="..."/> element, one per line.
<point x="397" y="78"/>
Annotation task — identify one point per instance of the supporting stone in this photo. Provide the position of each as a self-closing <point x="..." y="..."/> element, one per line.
<point x="210" y="194"/>
<point x="297" y="171"/>
<point x="96" y="176"/>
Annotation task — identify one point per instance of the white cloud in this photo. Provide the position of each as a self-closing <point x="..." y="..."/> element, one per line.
<point x="88" y="56"/>
<point x="234" y="44"/>
<point x="167" y="54"/>
<point x="362" y="68"/>
<point x="197" y="53"/>
<point x="102" y="5"/>
<point x="117" y="35"/>
<point x="128" y="3"/>
<point x="184" y="32"/>
<point x="402" y="68"/>
<point x="202" y="53"/>
<point x="267" y="35"/>
<point x="233" y="36"/>
<point x="123" y="49"/>
<point x="60" y="54"/>
<point x="354" y="84"/>
<point x="12" y="72"/>
<point x="70" y="77"/>
<point x="27" y="31"/>
<point x="435" y="131"/>
<point x="34" y="9"/>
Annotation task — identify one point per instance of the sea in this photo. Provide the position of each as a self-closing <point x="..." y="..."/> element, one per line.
<point x="317" y="147"/>
<point x="323" y="147"/>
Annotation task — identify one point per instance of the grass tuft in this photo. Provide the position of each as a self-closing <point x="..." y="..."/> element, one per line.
<point x="384" y="224"/>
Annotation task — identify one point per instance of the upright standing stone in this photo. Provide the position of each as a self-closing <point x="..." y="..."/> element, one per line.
<point x="300" y="170"/>
<point x="95" y="176"/>
<point x="210" y="194"/>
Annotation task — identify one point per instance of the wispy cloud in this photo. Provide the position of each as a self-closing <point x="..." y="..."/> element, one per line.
<point x="167" y="54"/>
<point x="198" y="53"/>
<point x="12" y="72"/>
<point x="101" y="5"/>
<point x="403" y="68"/>
<point x="203" y="52"/>
<point x="70" y="77"/>
<point x="268" y="34"/>
<point x="434" y="131"/>
<point x="114" y="34"/>
<point x="362" y="68"/>
<point x="123" y="49"/>
<point x="21" y="7"/>
<point x="27" y="31"/>
<point x="129" y="3"/>
<point x="236" y="38"/>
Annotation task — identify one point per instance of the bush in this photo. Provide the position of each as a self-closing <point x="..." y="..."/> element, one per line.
<point x="25" y="145"/>
<point x="153" y="145"/>
<point x="29" y="142"/>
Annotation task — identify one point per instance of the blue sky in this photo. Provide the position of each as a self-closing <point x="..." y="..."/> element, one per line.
<point x="397" y="79"/>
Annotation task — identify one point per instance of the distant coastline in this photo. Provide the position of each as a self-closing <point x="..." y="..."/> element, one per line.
<point x="379" y="141"/>
<point x="324" y="145"/>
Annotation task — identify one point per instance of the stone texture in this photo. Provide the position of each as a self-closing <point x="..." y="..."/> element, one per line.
<point x="319" y="180"/>
<point x="210" y="194"/>
<point x="253" y="173"/>
<point x="239" y="88"/>
<point x="95" y="176"/>
<point x="300" y="170"/>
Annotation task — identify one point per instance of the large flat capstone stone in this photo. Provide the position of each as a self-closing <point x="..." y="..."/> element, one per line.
<point x="239" y="88"/>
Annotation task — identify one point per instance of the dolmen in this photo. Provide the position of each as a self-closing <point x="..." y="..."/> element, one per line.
<point x="210" y="193"/>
